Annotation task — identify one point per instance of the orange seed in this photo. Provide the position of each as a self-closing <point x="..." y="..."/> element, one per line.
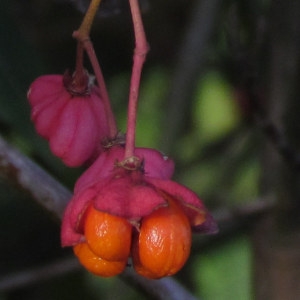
<point x="164" y="242"/>
<point x="97" y="265"/>
<point x="108" y="236"/>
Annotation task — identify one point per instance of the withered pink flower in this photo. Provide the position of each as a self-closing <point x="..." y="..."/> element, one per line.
<point x="71" y="116"/>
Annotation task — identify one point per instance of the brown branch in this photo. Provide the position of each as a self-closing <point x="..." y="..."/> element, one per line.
<point x="235" y="220"/>
<point x="29" y="177"/>
<point x="163" y="289"/>
<point x="34" y="276"/>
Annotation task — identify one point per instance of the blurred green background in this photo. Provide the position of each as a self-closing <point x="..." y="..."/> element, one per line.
<point x="210" y="134"/>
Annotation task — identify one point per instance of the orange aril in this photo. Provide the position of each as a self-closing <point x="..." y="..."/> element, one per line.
<point x="108" y="236"/>
<point x="164" y="242"/>
<point x="97" y="265"/>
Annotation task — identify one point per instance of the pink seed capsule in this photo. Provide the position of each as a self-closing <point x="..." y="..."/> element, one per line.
<point x="75" y="124"/>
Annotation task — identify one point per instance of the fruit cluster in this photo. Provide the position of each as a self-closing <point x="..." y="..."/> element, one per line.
<point x="160" y="247"/>
<point x="122" y="211"/>
<point x="125" y="210"/>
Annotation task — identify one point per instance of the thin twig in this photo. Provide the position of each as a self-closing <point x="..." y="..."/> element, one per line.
<point x="234" y="221"/>
<point x="35" y="276"/>
<point x="162" y="289"/>
<point x="29" y="177"/>
<point x="190" y="60"/>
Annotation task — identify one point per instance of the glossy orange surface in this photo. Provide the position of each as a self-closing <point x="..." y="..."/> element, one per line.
<point x="108" y="236"/>
<point x="97" y="265"/>
<point x="163" y="244"/>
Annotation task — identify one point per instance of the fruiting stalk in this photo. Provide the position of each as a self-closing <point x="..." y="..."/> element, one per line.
<point x="84" y="42"/>
<point x="140" y="51"/>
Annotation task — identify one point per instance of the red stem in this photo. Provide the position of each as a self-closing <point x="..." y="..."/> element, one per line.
<point x="141" y="49"/>
<point x="79" y="79"/>
<point x="88" y="46"/>
<point x="79" y="59"/>
<point x="84" y="42"/>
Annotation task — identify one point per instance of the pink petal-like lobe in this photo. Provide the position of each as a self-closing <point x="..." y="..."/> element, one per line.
<point x="155" y="165"/>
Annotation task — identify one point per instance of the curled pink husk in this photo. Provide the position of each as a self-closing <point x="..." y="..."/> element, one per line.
<point x="74" y="125"/>
<point x="190" y="203"/>
<point x="132" y="195"/>
<point x="155" y="165"/>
